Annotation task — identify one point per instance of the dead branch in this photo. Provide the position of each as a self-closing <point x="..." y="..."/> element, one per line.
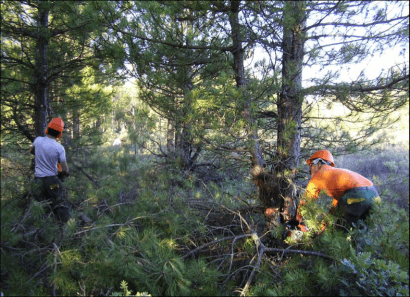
<point x="96" y="183"/>
<point x="232" y="252"/>
<point x="42" y="268"/>
<point x="262" y="249"/>
<point x="256" y="267"/>
<point x="300" y="252"/>
<point x="206" y="245"/>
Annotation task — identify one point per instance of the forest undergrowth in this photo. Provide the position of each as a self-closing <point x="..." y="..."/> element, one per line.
<point x="143" y="227"/>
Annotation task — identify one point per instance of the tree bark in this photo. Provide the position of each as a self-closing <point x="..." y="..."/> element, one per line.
<point x="40" y="74"/>
<point x="76" y="124"/>
<point x="290" y="106"/>
<point x="240" y="78"/>
<point x="185" y="145"/>
<point x="170" y="136"/>
<point x="291" y="99"/>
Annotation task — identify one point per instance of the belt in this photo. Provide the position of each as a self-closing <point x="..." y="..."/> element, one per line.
<point x="42" y="177"/>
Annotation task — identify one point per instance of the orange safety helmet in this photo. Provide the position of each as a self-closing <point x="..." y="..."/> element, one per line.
<point x="324" y="155"/>
<point x="56" y="124"/>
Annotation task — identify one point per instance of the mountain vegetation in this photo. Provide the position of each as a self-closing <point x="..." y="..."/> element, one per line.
<point x="218" y="104"/>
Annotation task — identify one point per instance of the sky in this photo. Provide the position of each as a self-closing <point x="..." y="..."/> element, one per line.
<point x="371" y="66"/>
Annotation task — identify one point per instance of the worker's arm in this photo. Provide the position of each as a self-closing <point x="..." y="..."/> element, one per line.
<point x="32" y="147"/>
<point x="334" y="205"/>
<point x="311" y="193"/>
<point x="64" y="167"/>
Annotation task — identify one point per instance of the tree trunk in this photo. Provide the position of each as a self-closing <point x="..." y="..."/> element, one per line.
<point x="290" y="106"/>
<point x="67" y="134"/>
<point x="240" y="78"/>
<point x="170" y="136"/>
<point x="185" y="146"/>
<point x="40" y="75"/>
<point x="268" y="185"/>
<point x="76" y="124"/>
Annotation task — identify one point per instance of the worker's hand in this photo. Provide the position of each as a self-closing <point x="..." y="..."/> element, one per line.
<point x="296" y="225"/>
<point x="62" y="175"/>
<point x="303" y="228"/>
<point x="323" y="226"/>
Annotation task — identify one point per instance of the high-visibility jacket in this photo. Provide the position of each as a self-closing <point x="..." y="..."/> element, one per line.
<point x="335" y="181"/>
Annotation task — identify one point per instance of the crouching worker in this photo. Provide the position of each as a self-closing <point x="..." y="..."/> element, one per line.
<point x="352" y="194"/>
<point x="47" y="154"/>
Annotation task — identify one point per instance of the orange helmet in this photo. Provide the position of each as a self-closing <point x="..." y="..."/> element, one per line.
<point x="324" y="155"/>
<point x="56" y="124"/>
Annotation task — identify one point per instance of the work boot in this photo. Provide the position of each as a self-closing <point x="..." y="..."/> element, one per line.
<point x="62" y="212"/>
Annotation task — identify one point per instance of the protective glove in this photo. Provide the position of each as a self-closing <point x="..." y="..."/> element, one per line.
<point x="62" y="175"/>
<point x="323" y="226"/>
<point x="303" y="228"/>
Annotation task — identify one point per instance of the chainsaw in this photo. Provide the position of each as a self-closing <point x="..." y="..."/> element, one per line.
<point x="61" y="174"/>
<point x="294" y="229"/>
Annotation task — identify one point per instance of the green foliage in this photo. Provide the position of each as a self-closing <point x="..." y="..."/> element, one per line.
<point x="373" y="277"/>
<point x="133" y="216"/>
<point x="370" y="259"/>
<point x="126" y="292"/>
<point x="141" y="222"/>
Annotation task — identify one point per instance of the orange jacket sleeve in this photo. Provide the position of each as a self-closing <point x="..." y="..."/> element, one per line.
<point x="311" y="193"/>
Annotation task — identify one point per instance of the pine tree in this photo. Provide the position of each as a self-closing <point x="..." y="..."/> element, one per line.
<point x="46" y="49"/>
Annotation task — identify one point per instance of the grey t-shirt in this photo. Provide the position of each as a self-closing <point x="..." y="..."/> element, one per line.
<point x="47" y="153"/>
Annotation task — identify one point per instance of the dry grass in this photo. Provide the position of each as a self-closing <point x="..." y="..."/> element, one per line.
<point x="387" y="167"/>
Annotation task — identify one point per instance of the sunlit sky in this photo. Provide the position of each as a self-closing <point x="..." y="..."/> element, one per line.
<point x="372" y="67"/>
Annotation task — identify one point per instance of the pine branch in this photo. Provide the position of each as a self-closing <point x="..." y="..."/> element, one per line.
<point x="21" y="127"/>
<point x="311" y="253"/>
<point x="258" y="263"/>
<point x="42" y="268"/>
<point x="262" y="249"/>
<point x="86" y="174"/>
<point x="206" y="245"/>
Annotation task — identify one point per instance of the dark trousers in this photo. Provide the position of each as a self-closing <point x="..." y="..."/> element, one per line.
<point x="50" y="188"/>
<point x="356" y="203"/>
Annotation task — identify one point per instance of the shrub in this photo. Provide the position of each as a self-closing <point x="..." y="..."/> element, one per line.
<point x="143" y="218"/>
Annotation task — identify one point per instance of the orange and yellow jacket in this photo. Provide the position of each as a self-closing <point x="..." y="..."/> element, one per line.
<point x="335" y="181"/>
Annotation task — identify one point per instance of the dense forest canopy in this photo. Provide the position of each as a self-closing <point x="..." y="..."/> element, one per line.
<point x="251" y="87"/>
<point x="191" y="59"/>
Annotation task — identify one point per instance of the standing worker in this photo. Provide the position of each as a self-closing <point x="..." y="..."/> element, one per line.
<point x="352" y="193"/>
<point x="117" y="142"/>
<point x="48" y="153"/>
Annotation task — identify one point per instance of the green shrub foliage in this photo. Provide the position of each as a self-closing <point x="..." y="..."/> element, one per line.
<point x="130" y="235"/>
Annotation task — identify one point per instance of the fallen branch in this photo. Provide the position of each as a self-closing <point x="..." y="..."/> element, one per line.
<point x="256" y="267"/>
<point x="110" y="225"/>
<point x="206" y="245"/>
<point x="42" y="268"/>
<point x="299" y="252"/>
<point x="232" y="252"/>
<point x="262" y="249"/>
<point x="86" y="174"/>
